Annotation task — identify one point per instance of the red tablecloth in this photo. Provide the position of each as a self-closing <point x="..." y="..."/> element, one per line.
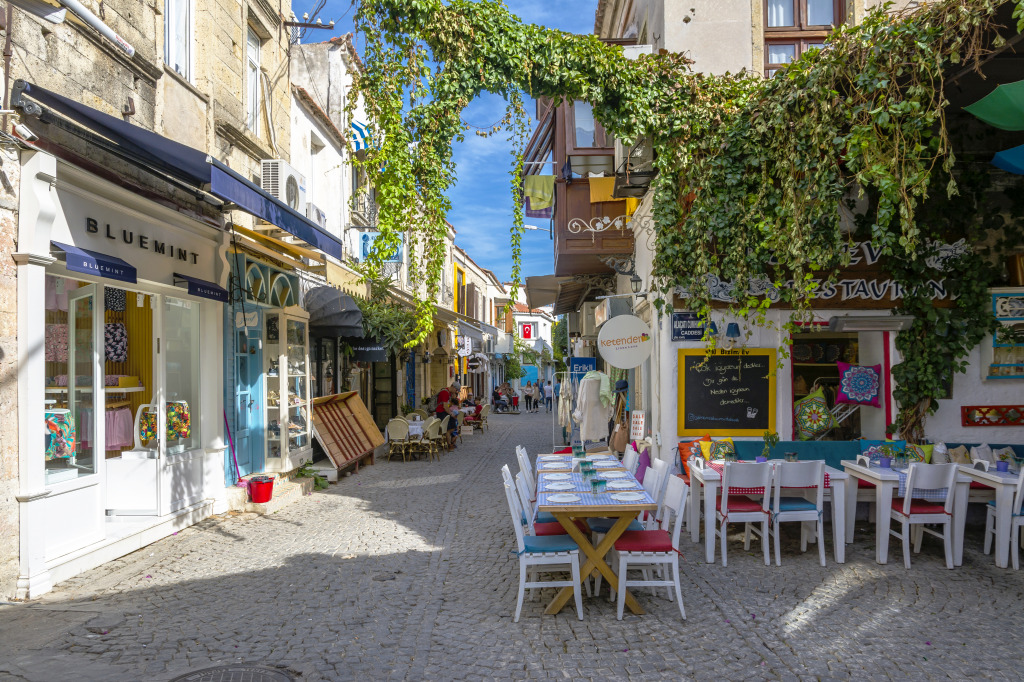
<point x="719" y="466"/>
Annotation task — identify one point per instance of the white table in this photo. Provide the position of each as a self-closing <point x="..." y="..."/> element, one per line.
<point x="416" y="429"/>
<point x="887" y="482"/>
<point x="1005" y="485"/>
<point x="712" y="479"/>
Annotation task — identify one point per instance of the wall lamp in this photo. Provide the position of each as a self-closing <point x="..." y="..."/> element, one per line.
<point x="635" y="283"/>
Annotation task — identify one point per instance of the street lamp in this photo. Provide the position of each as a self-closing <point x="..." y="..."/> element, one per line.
<point x="539" y="229"/>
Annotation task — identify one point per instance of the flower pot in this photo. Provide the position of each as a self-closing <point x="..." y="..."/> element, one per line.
<point x="885" y="462"/>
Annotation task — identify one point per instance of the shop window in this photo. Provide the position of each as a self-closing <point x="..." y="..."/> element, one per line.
<point x="181" y="357"/>
<point x="814" y="358"/>
<point x="178" y="37"/>
<point x="252" y="81"/>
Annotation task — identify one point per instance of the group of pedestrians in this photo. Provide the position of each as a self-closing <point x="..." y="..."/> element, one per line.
<point x="539" y="394"/>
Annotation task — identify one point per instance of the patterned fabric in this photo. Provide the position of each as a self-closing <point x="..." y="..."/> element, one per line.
<point x="959" y="455"/>
<point x="115" y="342"/>
<point x="1006" y="454"/>
<point x="930" y="494"/>
<point x="920" y="453"/>
<point x="56" y="343"/>
<point x="147" y="427"/>
<point x="859" y="384"/>
<point x="115" y="300"/>
<point x="179" y="422"/>
<point x="720" y="448"/>
<point x="60" y="429"/>
<point x="812" y="415"/>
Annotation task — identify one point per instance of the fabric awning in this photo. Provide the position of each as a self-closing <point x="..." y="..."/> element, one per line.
<point x="1002" y="108"/>
<point x="177" y="161"/>
<point x="542" y="290"/>
<point x="366" y="350"/>
<point x="1010" y="160"/>
<point x="95" y="263"/>
<point x="470" y="331"/>
<point x="360" y="136"/>
<point x="202" y="288"/>
<point x="333" y="313"/>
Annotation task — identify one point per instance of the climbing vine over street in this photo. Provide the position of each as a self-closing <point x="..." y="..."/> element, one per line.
<point x="752" y="172"/>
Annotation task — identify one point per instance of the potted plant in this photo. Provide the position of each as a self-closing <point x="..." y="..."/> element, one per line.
<point x="771" y="439"/>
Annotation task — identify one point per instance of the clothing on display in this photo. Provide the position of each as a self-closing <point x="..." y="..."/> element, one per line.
<point x="115" y="342"/>
<point x="115" y="300"/>
<point x="179" y="423"/>
<point x="593" y="406"/>
<point x="56" y="343"/>
<point x="61" y="435"/>
<point x="118" y="429"/>
<point x="56" y="293"/>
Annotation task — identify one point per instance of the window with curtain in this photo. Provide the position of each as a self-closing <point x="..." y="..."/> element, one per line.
<point x="586" y="132"/>
<point x="794" y="26"/>
<point x="178" y="37"/>
<point x="252" y="78"/>
<point x="780" y="13"/>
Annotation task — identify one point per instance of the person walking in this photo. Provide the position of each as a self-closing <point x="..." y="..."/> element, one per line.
<point x="537" y="396"/>
<point x="528" y="394"/>
<point x="547" y="395"/>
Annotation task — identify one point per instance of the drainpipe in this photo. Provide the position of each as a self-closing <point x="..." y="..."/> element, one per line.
<point x="88" y="17"/>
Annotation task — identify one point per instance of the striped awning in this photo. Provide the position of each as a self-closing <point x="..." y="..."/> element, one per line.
<point x="360" y="135"/>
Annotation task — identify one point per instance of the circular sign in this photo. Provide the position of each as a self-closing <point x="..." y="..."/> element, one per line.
<point x="473" y="364"/>
<point x="625" y="341"/>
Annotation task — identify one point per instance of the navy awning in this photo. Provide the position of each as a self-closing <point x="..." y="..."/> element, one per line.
<point x="180" y="162"/>
<point x="202" y="288"/>
<point x="332" y="313"/>
<point x="96" y="263"/>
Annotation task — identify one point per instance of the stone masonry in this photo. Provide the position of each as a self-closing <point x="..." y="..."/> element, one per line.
<point x="403" y="571"/>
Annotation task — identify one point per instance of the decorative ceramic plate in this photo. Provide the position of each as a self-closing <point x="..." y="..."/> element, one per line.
<point x="557" y="477"/>
<point x="552" y="466"/>
<point x="627" y="497"/>
<point x="832" y="352"/>
<point x="818" y="352"/>
<point x="801" y="352"/>
<point x="551" y="457"/>
<point x="622" y="485"/>
<point x="564" y="497"/>
<point x="614" y="474"/>
<point x="560" y="485"/>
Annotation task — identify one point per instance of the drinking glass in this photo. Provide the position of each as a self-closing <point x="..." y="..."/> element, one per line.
<point x="595" y="485"/>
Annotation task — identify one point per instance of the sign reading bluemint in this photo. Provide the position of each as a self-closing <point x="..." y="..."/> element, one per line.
<point x="202" y="288"/>
<point x="366" y="242"/>
<point x="687" y="327"/>
<point x="95" y="263"/>
<point x="153" y="244"/>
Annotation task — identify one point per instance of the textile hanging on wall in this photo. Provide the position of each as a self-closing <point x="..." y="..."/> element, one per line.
<point x="115" y="341"/>
<point x="60" y="429"/>
<point x="56" y="343"/>
<point x="115" y="300"/>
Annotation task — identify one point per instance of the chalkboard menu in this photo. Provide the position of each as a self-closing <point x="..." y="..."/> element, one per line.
<point x="727" y="393"/>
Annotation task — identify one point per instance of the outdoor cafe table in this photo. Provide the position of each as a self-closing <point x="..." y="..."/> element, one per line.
<point x="887" y="483"/>
<point x="711" y="479"/>
<point x="1005" y="484"/>
<point x="564" y="463"/>
<point x="591" y="505"/>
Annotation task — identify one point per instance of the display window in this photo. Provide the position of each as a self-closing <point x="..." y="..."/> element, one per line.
<point x="101" y="341"/>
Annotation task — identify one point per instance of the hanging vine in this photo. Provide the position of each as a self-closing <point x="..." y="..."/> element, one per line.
<point x="751" y="171"/>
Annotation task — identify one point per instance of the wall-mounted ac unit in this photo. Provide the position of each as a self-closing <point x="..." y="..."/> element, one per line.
<point x="587" y="318"/>
<point x="314" y="213"/>
<point x="284" y="182"/>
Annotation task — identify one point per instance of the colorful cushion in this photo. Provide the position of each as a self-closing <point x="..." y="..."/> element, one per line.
<point x="940" y="454"/>
<point x="920" y="453"/>
<point x="721" y="448"/>
<point x="918" y="506"/>
<point x="794" y="504"/>
<point x="1006" y="454"/>
<point x="643" y="464"/>
<point x="644" y="541"/>
<point x="959" y="455"/>
<point x="739" y="503"/>
<point x="813" y="417"/>
<point x="982" y="452"/>
<point x="859" y="384"/>
<point x="549" y="543"/>
<point x="601" y="524"/>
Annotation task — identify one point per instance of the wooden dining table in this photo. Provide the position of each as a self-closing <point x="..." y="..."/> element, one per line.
<point x="589" y="506"/>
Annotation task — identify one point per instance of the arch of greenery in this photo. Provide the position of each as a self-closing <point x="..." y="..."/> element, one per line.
<point x="751" y="171"/>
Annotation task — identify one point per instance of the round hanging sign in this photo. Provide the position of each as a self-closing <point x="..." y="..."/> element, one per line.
<point x="625" y="341"/>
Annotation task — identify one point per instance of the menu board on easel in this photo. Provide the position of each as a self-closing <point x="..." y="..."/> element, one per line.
<point x="726" y="393"/>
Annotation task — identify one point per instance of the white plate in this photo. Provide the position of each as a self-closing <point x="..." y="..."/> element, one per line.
<point x="560" y="485"/>
<point x="557" y="477"/>
<point x="551" y="457"/>
<point x="622" y="485"/>
<point x="627" y="497"/>
<point x="614" y="474"/>
<point x="552" y="466"/>
<point x="606" y="463"/>
<point x="602" y="456"/>
<point x="563" y="497"/>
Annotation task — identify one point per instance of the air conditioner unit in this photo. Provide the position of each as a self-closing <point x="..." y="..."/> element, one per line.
<point x="284" y="183"/>
<point x="314" y="213"/>
<point x="589" y="326"/>
<point x="635" y="160"/>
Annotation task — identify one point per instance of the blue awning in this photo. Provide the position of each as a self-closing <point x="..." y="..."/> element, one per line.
<point x="360" y="136"/>
<point x="1010" y="160"/>
<point x="180" y="162"/>
<point x="202" y="288"/>
<point x="96" y="263"/>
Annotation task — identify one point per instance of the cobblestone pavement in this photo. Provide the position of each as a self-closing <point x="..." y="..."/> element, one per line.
<point x="403" y="572"/>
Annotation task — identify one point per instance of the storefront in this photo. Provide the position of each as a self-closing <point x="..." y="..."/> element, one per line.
<point x="117" y="298"/>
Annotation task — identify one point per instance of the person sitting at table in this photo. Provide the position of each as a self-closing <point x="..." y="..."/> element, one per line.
<point x="475" y="417"/>
<point x="498" y="400"/>
<point x="453" y="423"/>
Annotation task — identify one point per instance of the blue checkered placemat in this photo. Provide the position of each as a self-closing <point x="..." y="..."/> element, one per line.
<point x="931" y="494"/>
<point x="579" y="485"/>
<point x="592" y="499"/>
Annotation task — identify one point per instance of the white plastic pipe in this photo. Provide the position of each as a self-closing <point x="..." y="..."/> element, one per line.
<point x="88" y="17"/>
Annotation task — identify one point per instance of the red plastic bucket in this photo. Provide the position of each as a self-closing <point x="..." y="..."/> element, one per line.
<point x="261" y="489"/>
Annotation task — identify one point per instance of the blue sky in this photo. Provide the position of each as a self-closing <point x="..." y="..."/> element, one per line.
<point x="481" y="202"/>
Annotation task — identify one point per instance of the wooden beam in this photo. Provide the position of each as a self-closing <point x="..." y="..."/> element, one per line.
<point x="270" y="242"/>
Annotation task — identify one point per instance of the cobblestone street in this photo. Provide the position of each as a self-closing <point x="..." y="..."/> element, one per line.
<point x="403" y="572"/>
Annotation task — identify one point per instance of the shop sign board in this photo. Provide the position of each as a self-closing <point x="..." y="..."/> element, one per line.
<point x="726" y="392"/>
<point x="578" y="368"/>
<point x="625" y="341"/>
<point x="637" y="419"/>
<point x="465" y="346"/>
<point x="687" y="326"/>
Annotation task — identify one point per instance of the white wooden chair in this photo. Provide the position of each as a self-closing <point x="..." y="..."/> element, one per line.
<point x="548" y="554"/>
<point x="811" y="477"/>
<point x="910" y="512"/>
<point x="653" y="549"/>
<point x="526" y="468"/>
<point x="630" y="459"/>
<point x="600" y="525"/>
<point x="1017" y="522"/>
<point x="737" y="508"/>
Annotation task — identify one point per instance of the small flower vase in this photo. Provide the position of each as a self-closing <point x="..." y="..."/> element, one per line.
<point x="1002" y="466"/>
<point x="885" y="462"/>
<point x="760" y="458"/>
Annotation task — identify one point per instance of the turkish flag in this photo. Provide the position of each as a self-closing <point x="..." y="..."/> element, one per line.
<point x="527" y="331"/>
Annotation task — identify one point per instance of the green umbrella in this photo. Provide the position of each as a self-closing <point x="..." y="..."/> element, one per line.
<point x="1002" y="108"/>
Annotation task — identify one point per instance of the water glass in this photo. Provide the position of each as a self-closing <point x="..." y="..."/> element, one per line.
<point x="595" y="485"/>
<point x="791" y="457"/>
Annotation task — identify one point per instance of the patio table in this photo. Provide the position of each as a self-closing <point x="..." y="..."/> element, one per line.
<point x="591" y="505"/>
<point x="711" y="477"/>
<point x="1005" y="484"/>
<point x="563" y="463"/>
<point x="887" y="483"/>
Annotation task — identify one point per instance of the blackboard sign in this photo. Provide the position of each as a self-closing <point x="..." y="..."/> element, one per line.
<point x="732" y="393"/>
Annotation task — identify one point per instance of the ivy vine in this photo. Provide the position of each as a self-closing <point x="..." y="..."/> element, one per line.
<point x="752" y="171"/>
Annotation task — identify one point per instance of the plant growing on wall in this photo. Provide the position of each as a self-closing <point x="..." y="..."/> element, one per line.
<point x="751" y="171"/>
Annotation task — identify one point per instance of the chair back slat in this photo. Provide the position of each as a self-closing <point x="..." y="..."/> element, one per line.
<point x="630" y="459"/>
<point x="398" y="429"/>
<point x="516" y="512"/>
<point x="1018" y="497"/>
<point x="800" y="475"/>
<point x="527" y="471"/>
<point x="676" y="492"/>
<point x="525" y="500"/>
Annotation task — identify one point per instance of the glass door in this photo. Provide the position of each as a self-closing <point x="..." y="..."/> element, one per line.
<point x="248" y="403"/>
<point x="297" y="385"/>
<point x="275" y="380"/>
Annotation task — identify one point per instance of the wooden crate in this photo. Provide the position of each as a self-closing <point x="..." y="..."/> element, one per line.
<point x="343" y="427"/>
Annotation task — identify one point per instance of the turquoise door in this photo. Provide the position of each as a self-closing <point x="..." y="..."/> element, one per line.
<point x="247" y="402"/>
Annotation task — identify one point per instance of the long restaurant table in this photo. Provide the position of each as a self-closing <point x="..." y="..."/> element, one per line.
<point x="590" y="505"/>
<point x="1005" y="485"/>
<point x="887" y="482"/>
<point x="711" y="480"/>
